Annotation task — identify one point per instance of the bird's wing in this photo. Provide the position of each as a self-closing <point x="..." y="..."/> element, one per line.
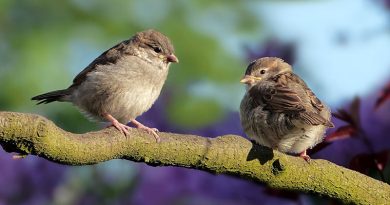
<point x="110" y="56"/>
<point x="315" y="102"/>
<point x="310" y="117"/>
<point x="277" y="98"/>
<point x="282" y="99"/>
<point x="313" y="118"/>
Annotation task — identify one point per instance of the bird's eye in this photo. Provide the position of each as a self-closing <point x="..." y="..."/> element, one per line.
<point x="157" y="49"/>
<point x="262" y="72"/>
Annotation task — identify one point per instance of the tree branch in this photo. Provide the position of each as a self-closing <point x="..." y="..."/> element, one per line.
<point x="229" y="154"/>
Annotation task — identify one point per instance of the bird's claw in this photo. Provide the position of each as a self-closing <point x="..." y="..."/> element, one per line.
<point x="124" y="129"/>
<point x="152" y="131"/>
<point x="304" y="156"/>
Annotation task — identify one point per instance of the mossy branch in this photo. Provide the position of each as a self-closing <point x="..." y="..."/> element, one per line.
<point x="232" y="155"/>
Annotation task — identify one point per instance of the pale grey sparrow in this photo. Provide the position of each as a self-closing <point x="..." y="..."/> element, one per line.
<point x="122" y="83"/>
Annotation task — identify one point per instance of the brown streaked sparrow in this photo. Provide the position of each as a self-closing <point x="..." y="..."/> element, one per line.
<point x="122" y="83"/>
<point x="279" y="110"/>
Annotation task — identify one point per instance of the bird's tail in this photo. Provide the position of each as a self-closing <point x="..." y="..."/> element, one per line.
<point x="58" y="95"/>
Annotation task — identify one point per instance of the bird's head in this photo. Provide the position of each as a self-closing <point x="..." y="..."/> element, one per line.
<point x="263" y="69"/>
<point x="155" y="47"/>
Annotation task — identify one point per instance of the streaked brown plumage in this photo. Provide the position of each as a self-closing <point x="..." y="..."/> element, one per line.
<point x="279" y="110"/>
<point x="122" y="83"/>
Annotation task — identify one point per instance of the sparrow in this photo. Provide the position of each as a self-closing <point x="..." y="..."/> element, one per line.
<point x="122" y="83"/>
<point x="279" y="110"/>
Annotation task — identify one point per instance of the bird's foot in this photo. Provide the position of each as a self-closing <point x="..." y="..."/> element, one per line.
<point x="124" y="129"/>
<point x="152" y="131"/>
<point x="304" y="156"/>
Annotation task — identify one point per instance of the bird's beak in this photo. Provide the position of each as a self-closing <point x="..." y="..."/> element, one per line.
<point x="249" y="79"/>
<point x="172" y="58"/>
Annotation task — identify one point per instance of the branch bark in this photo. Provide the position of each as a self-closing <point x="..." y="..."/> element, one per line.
<point x="229" y="154"/>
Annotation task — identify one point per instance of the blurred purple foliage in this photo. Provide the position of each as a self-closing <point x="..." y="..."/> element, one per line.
<point x="360" y="140"/>
<point x="29" y="182"/>
<point x="172" y="185"/>
<point x="386" y="4"/>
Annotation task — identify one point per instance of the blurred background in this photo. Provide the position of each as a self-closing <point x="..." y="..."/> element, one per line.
<point x="341" y="48"/>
